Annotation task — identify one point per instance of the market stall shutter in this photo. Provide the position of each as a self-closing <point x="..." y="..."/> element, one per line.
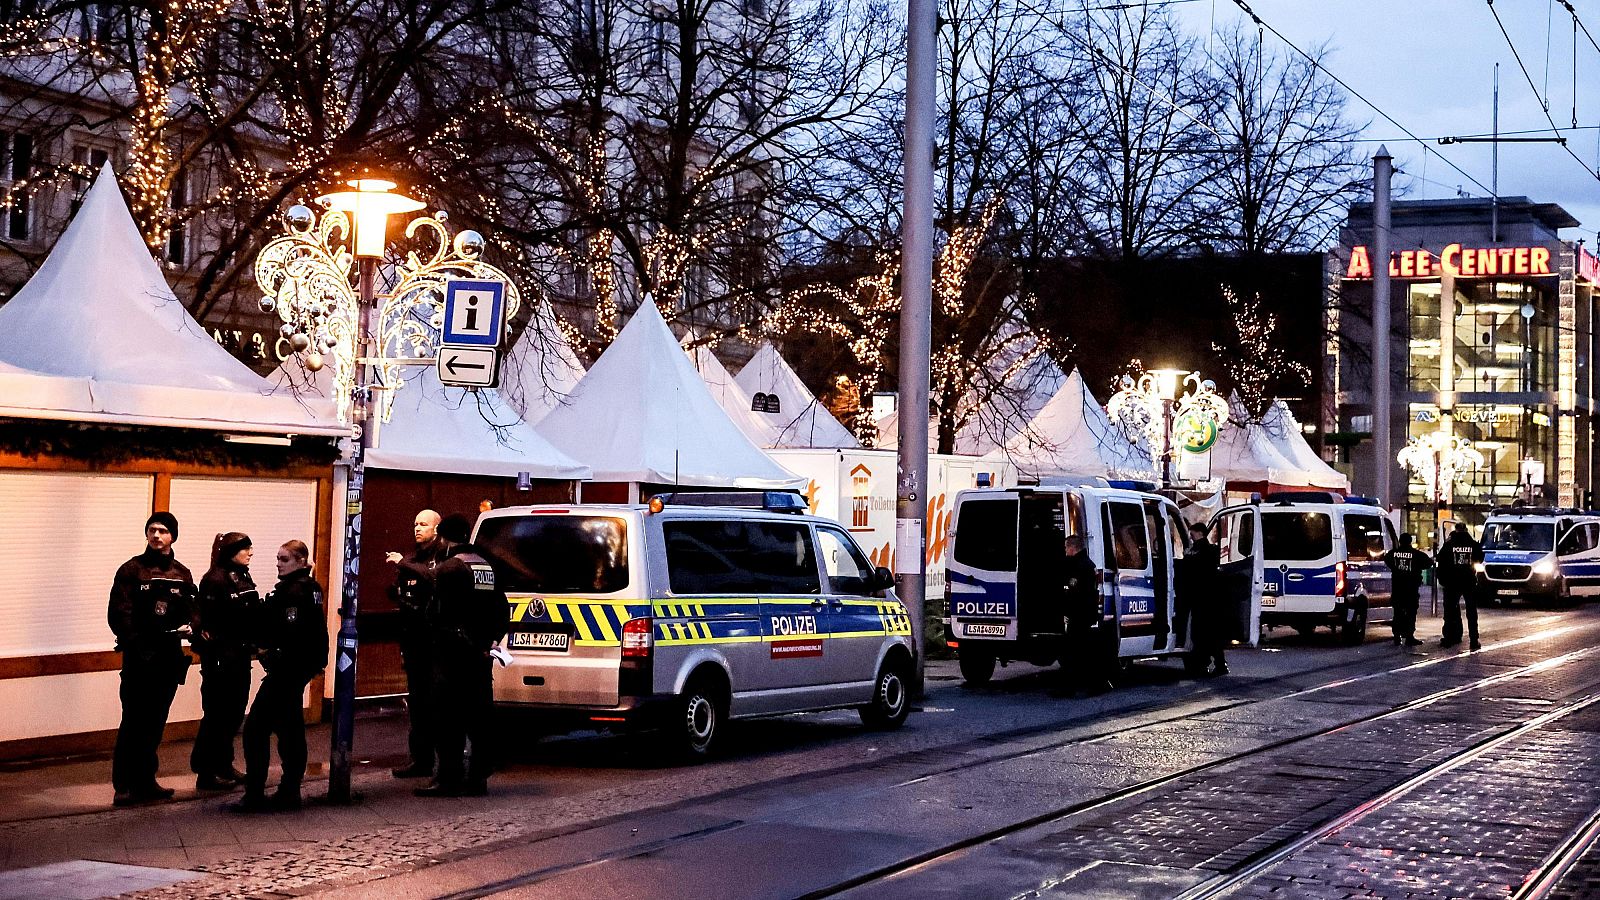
<point x="270" y="510"/>
<point x="67" y="532"/>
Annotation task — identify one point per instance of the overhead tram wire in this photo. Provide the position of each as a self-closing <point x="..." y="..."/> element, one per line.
<point x="1543" y="104"/>
<point x="1410" y="135"/>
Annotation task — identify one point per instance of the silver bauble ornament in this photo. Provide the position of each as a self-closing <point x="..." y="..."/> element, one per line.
<point x="299" y="217"/>
<point x="436" y="321"/>
<point x="287" y="329"/>
<point x="330" y="341"/>
<point x="469" y="243"/>
<point x="441" y="215"/>
<point x="269" y="305"/>
<point x="314" y="362"/>
<point x="299" y="341"/>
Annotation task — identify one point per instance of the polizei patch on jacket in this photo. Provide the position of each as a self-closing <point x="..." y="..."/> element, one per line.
<point x="796" y="649"/>
<point x="482" y="578"/>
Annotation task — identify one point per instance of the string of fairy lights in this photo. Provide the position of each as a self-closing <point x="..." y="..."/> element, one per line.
<point x="1258" y="365"/>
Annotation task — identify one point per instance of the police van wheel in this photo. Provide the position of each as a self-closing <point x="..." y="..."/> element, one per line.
<point x="891" y="700"/>
<point x="698" y="722"/>
<point x="1354" y="630"/>
<point x="976" y="668"/>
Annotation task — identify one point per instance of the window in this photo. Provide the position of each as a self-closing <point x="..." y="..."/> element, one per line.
<point x="848" y="571"/>
<point x="1539" y="536"/>
<point x="1236" y="536"/>
<point x="86" y="161"/>
<point x="766" y="403"/>
<point x="15" y="167"/>
<point x="557" y="554"/>
<point x="740" y="557"/>
<point x="986" y="535"/>
<point x="1296" y="536"/>
<point x="656" y="38"/>
<point x="178" y="230"/>
<point x="1581" y="537"/>
<point x="14" y="10"/>
<point x="1363" y="537"/>
<point x="1128" y="536"/>
<point x="101" y="23"/>
<point x="753" y="7"/>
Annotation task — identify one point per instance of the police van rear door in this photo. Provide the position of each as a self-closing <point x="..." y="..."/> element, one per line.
<point x="983" y="566"/>
<point x="1240" y="577"/>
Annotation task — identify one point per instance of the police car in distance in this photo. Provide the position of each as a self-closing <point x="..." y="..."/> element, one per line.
<point x="1540" y="552"/>
<point x="1324" y="563"/>
<point x="694" y="609"/>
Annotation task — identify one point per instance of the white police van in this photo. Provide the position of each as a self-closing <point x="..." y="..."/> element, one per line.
<point x="1003" y="593"/>
<point x="1540" y="552"/>
<point x="1324" y="563"/>
<point x="690" y="610"/>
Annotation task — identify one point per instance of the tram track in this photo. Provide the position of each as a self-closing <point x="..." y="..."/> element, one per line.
<point x="956" y="848"/>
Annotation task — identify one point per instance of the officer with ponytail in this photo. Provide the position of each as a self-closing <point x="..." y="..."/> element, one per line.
<point x="228" y="602"/>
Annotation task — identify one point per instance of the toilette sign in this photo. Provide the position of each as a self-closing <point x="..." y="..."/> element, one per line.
<point x="1468" y="262"/>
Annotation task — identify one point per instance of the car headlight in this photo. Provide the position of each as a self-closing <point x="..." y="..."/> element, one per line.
<point x="1478" y="567"/>
<point x="1544" y="567"/>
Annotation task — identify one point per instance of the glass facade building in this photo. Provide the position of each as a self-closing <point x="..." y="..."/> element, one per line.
<point x="1504" y="361"/>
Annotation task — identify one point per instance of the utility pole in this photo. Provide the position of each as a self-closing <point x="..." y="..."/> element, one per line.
<point x="916" y="312"/>
<point x="1382" y="378"/>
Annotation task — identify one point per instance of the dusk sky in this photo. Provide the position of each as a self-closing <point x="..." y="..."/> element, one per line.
<point x="1430" y="65"/>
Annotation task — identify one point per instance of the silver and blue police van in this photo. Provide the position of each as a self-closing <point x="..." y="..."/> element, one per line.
<point x="1324" y="563"/>
<point x="1540" y="552"/>
<point x="696" y="608"/>
<point x="1003" y="593"/>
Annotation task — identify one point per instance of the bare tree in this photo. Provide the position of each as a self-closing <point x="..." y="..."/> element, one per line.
<point x="1259" y="365"/>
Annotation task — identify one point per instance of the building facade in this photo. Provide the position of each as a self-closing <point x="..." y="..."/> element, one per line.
<point x="1493" y="339"/>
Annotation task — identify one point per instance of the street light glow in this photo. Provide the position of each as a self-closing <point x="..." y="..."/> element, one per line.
<point x="370" y="205"/>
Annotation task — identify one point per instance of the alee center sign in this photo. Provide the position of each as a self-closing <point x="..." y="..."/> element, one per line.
<point x="1472" y="262"/>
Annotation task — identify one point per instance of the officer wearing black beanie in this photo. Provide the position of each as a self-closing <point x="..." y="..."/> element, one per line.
<point x="152" y="607"/>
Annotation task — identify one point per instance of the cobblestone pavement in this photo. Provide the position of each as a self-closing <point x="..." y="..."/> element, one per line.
<point x="970" y="762"/>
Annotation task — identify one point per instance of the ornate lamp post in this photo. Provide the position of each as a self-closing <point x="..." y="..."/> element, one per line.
<point x="1148" y="406"/>
<point x="1439" y="459"/>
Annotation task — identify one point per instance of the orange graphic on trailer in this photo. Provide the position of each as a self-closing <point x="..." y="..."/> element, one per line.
<point x="860" y="498"/>
<point x="811" y="495"/>
<point x="938" y="525"/>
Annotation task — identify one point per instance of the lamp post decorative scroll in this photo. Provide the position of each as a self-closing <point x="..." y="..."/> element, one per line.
<point x="1146" y="408"/>
<point x="1440" y="459"/>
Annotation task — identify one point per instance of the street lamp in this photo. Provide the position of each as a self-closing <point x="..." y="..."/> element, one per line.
<point x="1150" y="405"/>
<point x="369" y="204"/>
<point x="1439" y="459"/>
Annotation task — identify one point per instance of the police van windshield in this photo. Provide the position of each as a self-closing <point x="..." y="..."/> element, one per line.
<point x="557" y="554"/>
<point x="1539" y="536"/>
<point x="1296" y="535"/>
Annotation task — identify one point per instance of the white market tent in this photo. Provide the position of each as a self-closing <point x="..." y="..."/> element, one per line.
<point x="731" y="397"/>
<point x="799" y="419"/>
<point x="542" y="369"/>
<point x="1244" y="454"/>
<point x="1072" y="435"/>
<point x="1285" y="434"/>
<point x="96" y="335"/>
<point x="447" y="430"/>
<point x="642" y="415"/>
<point x="1006" y="413"/>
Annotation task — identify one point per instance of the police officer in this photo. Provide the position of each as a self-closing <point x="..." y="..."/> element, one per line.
<point x="413" y="591"/>
<point x="228" y="601"/>
<point x="1083" y="663"/>
<point x="1407" y="563"/>
<point x="1197" y="585"/>
<point x="151" y="609"/>
<point x="1459" y="579"/>
<point x="292" y="642"/>
<point x="468" y="618"/>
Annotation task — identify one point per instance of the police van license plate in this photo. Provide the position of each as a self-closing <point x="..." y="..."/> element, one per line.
<point x="1269" y="599"/>
<point x="982" y="629"/>
<point x="558" y="641"/>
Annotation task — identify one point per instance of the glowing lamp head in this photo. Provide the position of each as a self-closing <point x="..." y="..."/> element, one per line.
<point x="1167" y="381"/>
<point x="370" y="204"/>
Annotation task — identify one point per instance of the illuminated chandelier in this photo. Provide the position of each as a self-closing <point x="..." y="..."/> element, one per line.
<point x="305" y="278"/>
<point x="1439" y="459"/>
<point x="1138" y="408"/>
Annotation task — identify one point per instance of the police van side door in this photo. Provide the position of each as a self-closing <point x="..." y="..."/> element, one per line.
<point x="858" y="622"/>
<point x="1135" y="582"/>
<point x="1240" y="579"/>
<point x="1580" y="558"/>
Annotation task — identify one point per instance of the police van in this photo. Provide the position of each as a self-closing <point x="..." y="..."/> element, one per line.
<point x="1324" y="563"/>
<point x="1004" y="597"/>
<point x="692" y="610"/>
<point x="1540" y="552"/>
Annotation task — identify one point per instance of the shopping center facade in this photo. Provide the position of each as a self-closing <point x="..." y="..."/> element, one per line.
<point x="1512" y="373"/>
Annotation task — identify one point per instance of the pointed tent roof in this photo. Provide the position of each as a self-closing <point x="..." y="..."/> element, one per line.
<point x="1243" y="452"/>
<point x="801" y="420"/>
<point x="448" y="430"/>
<point x="1284" y="432"/>
<point x="731" y="397"/>
<point x="1012" y="405"/>
<point x="642" y="414"/>
<point x="1071" y="435"/>
<point x="542" y="369"/>
<point x="99" y="311"/>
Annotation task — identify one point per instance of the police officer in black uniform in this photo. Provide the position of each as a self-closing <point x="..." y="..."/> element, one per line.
<point x="151" y="609"/>
<point x="468" y="616"/>
<point x="292" y="642"/>
<point x="413" y="591"/>
<point x="228" y="601"/>
<point x="1197" y="586"/>
<point x="1459" y="579"/>
<point x="1084" y="663"/>
<point x="1407" y="563"/>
